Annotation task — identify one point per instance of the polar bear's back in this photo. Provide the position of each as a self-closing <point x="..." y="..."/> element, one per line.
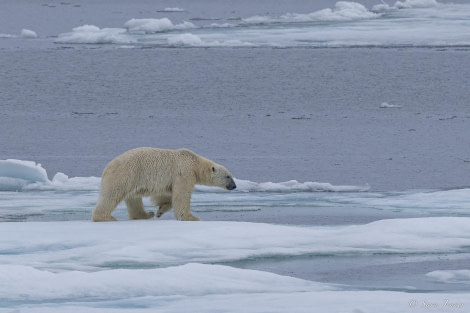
<point x="148" y="168"/>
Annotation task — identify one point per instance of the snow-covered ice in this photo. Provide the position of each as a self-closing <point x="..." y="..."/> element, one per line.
<point x="67" y="263"/>
<point x="79" y="245"/>
<point x="57" y="266"/>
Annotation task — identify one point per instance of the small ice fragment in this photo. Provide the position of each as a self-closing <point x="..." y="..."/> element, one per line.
<point x="385" y="105"/>
<point x="60" y="178"/>
<point x="28" y="34"/>
<point x="172" y="10"/>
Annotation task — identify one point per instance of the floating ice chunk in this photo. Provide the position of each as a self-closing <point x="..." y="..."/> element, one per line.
<point x="28" y="34"/>
<point x="60" y="178"/>
<point x="151" y="25"/>
<point x="7" y="36"/>
<point x="63" y="182"/>
<point x="16" y="174"/>
<point x="380" y="7"/>
<point x="408" y="4"/>
<point x="224" y="25"/>
<point x="344" y="10"/>
<point x="90" y="34"/>
<point x="454" y="276"/>
<point x="172" y="10"/>
<point x="385" y="105"/>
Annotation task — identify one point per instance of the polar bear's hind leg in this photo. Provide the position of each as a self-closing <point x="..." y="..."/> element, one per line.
<point x="163" y="202"/>
<point x="163" y="209"/>
<point x="135" y="208"/>
<point x="103" y="209"/>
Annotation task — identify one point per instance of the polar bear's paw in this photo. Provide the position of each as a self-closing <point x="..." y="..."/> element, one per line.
<point x="163" y="209"/>
<point x="142" y="215"/>
<point x="189" y="217"/>
<point x="97" y="218"/>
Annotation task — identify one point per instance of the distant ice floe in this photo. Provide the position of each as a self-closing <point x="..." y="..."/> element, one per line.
<point x="406" y="4"/>
<point x="25" y="34"/>
<point x="16" y="175"/>
<point x="136" y="30"/>
<point x="90" y="34"/>
<point x="152" y="25"/>
<point x="419" y="4"/>
<point x="346" y="24"/>
<point x="343" y="11"/>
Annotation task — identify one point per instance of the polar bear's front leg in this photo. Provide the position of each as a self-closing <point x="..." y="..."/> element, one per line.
<point x="135" y="208"/>
<point x="181" y="200"/>
<point x="182" y="210"/>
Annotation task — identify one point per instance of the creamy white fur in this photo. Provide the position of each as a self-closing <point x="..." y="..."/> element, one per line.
<point x="167" y="176"/>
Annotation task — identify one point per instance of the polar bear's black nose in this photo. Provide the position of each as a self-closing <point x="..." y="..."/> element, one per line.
<point x="231" y="185"/>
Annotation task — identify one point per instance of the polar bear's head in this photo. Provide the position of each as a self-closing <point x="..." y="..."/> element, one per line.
<point x="221" y="177"/>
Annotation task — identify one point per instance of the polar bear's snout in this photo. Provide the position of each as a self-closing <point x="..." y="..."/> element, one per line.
<point x="231" y="184"/>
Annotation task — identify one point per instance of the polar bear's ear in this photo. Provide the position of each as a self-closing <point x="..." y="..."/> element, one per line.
<point x="213" y="169"/>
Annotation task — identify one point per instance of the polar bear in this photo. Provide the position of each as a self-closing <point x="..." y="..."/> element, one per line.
<point x="167" y="176"/>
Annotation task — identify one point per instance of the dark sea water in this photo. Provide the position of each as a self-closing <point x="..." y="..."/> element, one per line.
<point x="267" y="114"/>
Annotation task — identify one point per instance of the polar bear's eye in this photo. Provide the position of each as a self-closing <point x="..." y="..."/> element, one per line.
<point x="213" y="169"/>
